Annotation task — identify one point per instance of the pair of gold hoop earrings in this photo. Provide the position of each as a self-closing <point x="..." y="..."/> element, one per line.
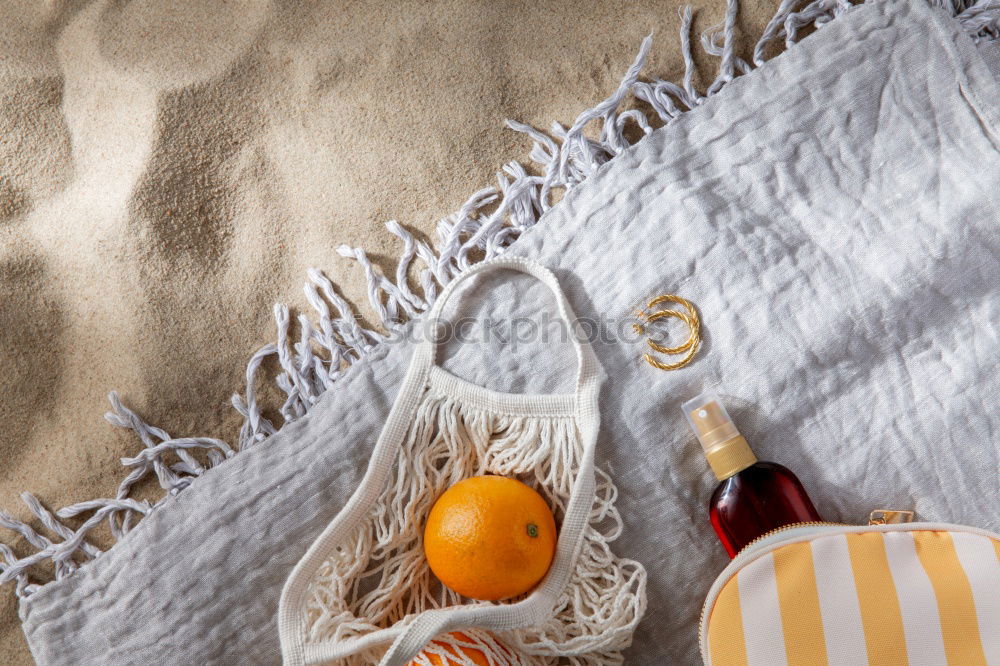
<point x="690" y="346"/>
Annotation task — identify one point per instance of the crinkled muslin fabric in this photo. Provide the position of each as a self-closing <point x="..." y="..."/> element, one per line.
<point x="832" y="214"/>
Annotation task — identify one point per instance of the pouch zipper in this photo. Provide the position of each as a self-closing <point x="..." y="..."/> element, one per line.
<point x="783" y="528"/>
<point x="744" y="553"/>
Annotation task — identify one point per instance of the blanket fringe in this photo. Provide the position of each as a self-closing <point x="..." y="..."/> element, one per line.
<point x="486" y="224"/>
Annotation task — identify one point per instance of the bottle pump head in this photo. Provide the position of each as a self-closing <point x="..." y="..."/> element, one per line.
<point x="725" y="448"/>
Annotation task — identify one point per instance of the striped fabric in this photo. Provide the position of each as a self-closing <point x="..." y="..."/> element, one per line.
<point x="892" y="598"/>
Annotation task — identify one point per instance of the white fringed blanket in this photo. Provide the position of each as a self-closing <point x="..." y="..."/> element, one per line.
<point x="833" y="214"/>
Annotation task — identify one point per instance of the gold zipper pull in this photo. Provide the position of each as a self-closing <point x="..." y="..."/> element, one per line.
<point x="889" y="517"/>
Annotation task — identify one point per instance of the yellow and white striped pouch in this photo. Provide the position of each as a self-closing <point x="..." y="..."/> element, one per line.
<point x="898" y="594"/>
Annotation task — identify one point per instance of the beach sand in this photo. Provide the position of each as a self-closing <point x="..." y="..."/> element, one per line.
<point x="168" y="171"/>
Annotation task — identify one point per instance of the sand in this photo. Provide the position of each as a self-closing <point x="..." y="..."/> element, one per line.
<point x="168" y="171"/>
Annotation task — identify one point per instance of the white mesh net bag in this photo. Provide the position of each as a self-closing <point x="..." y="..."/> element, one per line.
<point x="364" y="593"/>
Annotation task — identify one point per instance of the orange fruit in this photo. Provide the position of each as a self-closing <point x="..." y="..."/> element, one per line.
<point x="490" y="538"/>
<point x="475" y="655"/>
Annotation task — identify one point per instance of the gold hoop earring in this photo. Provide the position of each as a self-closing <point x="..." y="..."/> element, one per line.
<point x="691" y="345"/>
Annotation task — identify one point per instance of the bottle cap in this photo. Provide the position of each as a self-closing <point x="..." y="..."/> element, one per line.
<point x="725" y="448"/>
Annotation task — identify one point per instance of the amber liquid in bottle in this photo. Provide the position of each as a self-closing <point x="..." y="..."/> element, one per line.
<point x="756" y="500"/>
<point x="752" y="498"/>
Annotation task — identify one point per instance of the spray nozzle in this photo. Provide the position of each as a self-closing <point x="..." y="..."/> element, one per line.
<point x="725" y="448"/>
<point x="709" y="420"/>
